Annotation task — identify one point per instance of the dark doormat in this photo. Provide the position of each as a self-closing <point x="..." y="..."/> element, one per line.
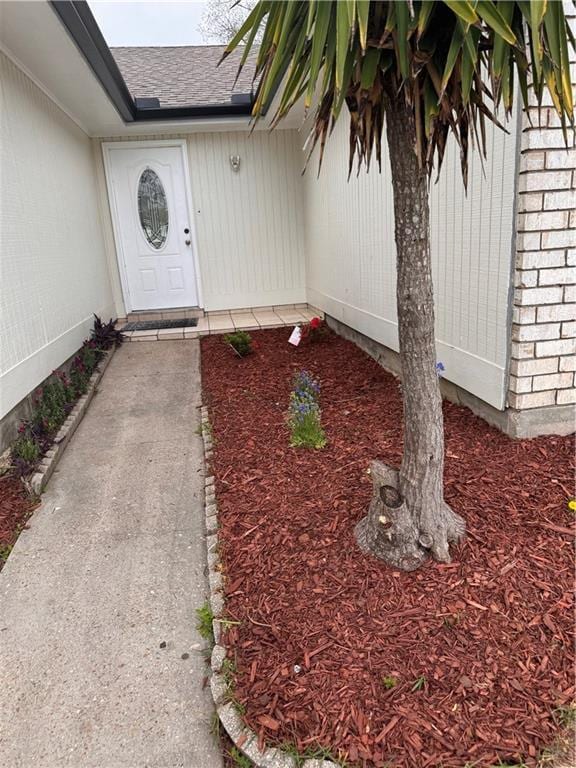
<point x="156" y="325"/>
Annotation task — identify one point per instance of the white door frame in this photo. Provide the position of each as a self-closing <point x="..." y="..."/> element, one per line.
<point x="107" y="146"/>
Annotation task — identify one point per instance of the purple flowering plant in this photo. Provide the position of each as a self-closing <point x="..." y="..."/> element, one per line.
<point x="304" y="416"/>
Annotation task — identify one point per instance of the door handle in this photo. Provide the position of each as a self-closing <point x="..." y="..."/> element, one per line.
<point x="187" y="242"/>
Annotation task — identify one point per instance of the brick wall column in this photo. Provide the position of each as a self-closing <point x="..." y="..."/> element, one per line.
<point x="543" y="362"/>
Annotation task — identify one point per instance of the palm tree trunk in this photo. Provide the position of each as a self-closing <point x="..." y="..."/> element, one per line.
<point x="408" y="517"/>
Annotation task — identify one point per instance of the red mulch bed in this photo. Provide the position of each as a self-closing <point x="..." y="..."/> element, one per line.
<point x="491" y="632"/>
<point x="16" y="506"/>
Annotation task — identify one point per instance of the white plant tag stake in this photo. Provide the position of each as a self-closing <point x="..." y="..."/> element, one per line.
<point x="295" y="336"/>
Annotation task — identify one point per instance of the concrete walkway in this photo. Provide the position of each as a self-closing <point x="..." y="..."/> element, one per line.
<point x="112" y="567"/>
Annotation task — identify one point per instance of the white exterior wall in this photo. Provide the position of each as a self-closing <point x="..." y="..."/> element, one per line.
<point x="351" y="271"/>
<point x="249" y="224"/>
<point x="53" y="273"/>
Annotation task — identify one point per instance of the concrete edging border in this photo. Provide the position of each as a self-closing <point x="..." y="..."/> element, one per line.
<point x="243" y="737"/>
<point x="37" y="482"/>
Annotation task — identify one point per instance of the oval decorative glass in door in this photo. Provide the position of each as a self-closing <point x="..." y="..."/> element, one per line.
<point x="153" y="208"/>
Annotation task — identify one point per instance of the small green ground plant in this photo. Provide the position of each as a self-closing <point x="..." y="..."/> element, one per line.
<point x="215" y="725"/>
<point x="204" y="623"/>
<point x="238" y="758"/>
<point x="419" y="683"/>
<point x="312" y="753"/>
<point x="304" y="416"/>
<point x="566" y="716"/>
<point x="560" y="753"/>
<point x="240" y="341"/>
<point x="5" y="550"/>
<point x="228" y="672"/>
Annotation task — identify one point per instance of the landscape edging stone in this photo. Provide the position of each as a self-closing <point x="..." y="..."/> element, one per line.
<point x="243" y="737"/>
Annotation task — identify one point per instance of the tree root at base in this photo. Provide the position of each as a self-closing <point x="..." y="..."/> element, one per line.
<point x="390" y="532"/>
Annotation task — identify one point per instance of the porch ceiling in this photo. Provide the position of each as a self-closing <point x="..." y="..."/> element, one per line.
<point x="32" y="35"/>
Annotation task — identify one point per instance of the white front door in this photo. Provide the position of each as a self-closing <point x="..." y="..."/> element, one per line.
<point x="152" y="225"/>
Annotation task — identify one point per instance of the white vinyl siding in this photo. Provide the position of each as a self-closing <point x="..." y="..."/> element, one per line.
<point x="351" y="272"/>
<point x="249" y="224"/>
<point x="53" y="273"/>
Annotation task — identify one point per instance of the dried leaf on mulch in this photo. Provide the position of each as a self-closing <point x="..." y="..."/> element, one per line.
<point x="488" y="637"/>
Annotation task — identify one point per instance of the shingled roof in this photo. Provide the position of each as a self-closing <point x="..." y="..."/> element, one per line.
<point x="185" y="75"/>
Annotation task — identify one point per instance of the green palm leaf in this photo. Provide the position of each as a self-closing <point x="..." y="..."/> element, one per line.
<point x="433" y="54"/>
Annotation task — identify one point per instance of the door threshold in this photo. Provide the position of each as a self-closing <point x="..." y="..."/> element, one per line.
<point x="142" y="315"/>
<point x="160" y="324"/>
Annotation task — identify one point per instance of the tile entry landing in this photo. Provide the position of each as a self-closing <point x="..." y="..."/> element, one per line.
<point x="259" y="318"/>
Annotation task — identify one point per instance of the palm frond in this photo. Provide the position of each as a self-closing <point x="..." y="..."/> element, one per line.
<point x="454" y="62"/>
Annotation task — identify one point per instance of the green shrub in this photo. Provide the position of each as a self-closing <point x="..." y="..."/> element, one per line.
<point x="26" y="449"/>
<point x="241" y="342"/>
<point x="51" y="401"/>
<point x="79" y="378"/>
<point x="83" y="366"/>
<point x="90" y="355"/>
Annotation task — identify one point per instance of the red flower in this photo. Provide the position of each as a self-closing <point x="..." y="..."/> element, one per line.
<point x="315" y="323"/>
